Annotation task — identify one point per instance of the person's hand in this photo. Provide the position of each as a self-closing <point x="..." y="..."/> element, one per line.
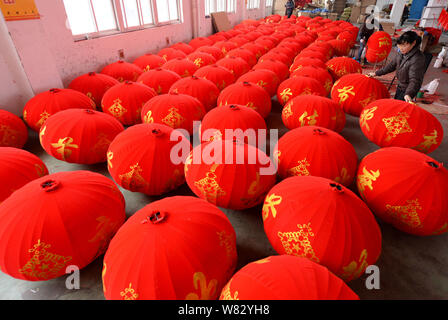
<point x="371" y="74"/>
<point x="408" y="98"/>
<point x="362" y="40"/>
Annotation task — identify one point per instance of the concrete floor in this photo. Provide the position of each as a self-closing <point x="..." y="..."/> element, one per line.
<point x="411" y="267"/>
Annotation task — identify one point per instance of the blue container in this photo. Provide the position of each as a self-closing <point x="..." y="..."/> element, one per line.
<point x="417" y="9"/>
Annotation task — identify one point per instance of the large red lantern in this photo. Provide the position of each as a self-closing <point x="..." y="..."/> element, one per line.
<point x="125" y="101"/>
<point x="170" y="53"/>
<point x="160" y="80"/>
<point x="213" y="51"/>
<point x="201" y="59"/>
<point x="220" y="76"/>
<point x="378" y="47"/>
<point x="407" y="189"/>
<point x="13" y="132"/>
<point x="18" y="168"/>
<point x="178" y="230"/>
<point x="177" y="111"/>
<point x="123" y="71"/>
<point x="183" y="67"/>
<point x="79" y="136"/>
<point x="139" y="159"/>
<point x="39" y="108"/>
<point x="286" y="277"/>
<point x="200" y="42"/>
<point x="341" y="48"/>
<point x="341" y="66"/>
<point x="63" y="219"/>
<point x="202" y="89"/>
<point x="185" y="48"/>
<point x="247" y="94"/>
<point x="265" y="78"/>
<point x="312" y="110"/>
<point x="257" y="49"/>
<point x="307" y="62"/>
<point x="244" y="54"/>
<point x="312" y="54"/>
<point x="235" y="65"/>
<point x="316" y="151"/>
<point x="225" y="46"/>
<point x="276" y="56"/>
<point x="319" y="74"/>
<point x="348" y="37"/>
<point x="279" y="68"/>
<point x="298" y="86"/>
<point x="297" y="222"/>
<point x="149" y="61"/>
<point x="355" y="91"/>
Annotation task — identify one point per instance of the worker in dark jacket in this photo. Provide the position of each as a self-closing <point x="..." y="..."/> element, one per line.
<point x="410" y="66"/>
<point x="290" y="5"/>
<point x="367" y="29"/>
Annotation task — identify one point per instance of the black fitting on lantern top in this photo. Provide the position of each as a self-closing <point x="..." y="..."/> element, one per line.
<point x="337" y="187"/>
<point x="50" y="185"/>
<point x="319" y="131"/>
<point x="155" y="217"/>
<point x="434" y="164"/>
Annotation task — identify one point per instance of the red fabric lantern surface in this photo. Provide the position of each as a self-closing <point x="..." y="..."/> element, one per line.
<point x="149" y="61"/>
<point x="319" y="74"/>
<point x="257" y="49"/>
<point x="298" y="86"/>
<point x="307" y="62"/>
<point x="341" y="48"/>
<point x="123" y="71"/>
<point x="312" y="54"/>
<point x="286" y="50"/>
<point x="279" y="68"/>
<point x="170" y="53"/>
<point x="18" y="168"/>
<point x="13" y="132"/>
<point x="220" y="76"/>
<point x="311" y="110"/>
<point x="232" y="117"/>
<point x="264" y="78"/>
<point x="39" y="108"/>
<point x="324" y="47"/>
<point x="407" y="189"/>
<point x="276" y="56"/>
<point x="240" y="40"/>
<point x="355" y="91"/>
<point x="225" y="46"/>
<point x="125" y="101"/>
<point x="177" y="111"/>
<point x="316" y="151"/>
<point x="79" y="136"/>
<point x="63" y="219"/>
<point x="297" y="222"/>
<point x="247" y="94"/>
<point x="378" y="47"/>
<point x="217" y="37"/>
<point x="286" y="277"/>
<point x="139" y="159"/>
<point x="200" y="42"/>
<point x="201" y="59"/>
<point x="94" y="85"/>
<point x="160" y="80"/>
<point x="348" y="37"/>
<point x="183" y="67"/>
<point x="212" y="50"/>
<point x="185" y="48"/>
<point x="187" y="231"/>
<point x="237" y="176"/>
<point x="244" y="54"/>
<point x="395" y="123"/>
<point x="237" y="66"/>
<point x="202" y="89"/>
<point x="265" y="43"/>
<point x="341" y="66"/>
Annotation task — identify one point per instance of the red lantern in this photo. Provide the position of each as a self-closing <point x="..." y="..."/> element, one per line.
<point x="225" y="46"/>
<point x="276" y="56"/>
<point x="18" y="168"/>
<point x="316" y="151"/>
<point x="311" y="110"/>
<point x="247" y="94"/>
<point x="378" y="46"/>
<point x="257" y="49"/>
<point x="286" y="278"/>
<point x="244" y="54"/>
<point x="236" y="66"/>
<point x="176" y="225"/>
<point x="355" y="91"/>
<point x="395" y="123"/>
<point x="202" y="89"/>
<point x="43" y="105"/>
<point x="237" y="176"/>
<point x="63" y="219"/>
<point x="177" y="111"/>
<point x="239" y="40"/>
<point x="286" y="50"/>
<point x="183" y="67"/>
<point x="324" y="47"/>
<point x="79" y="136"/>
<point x="319" y="232"/>
<point x="211" y="50"/>
<point x="312" y="54"/>
<point x="264" y="78"/>
<point x="279" y="68"/>
<point x="341" y="48"/>
<point x="405" y="188"/>
<point x="160" y="80"/>
<point x="342" y="66"/>
<point x="217" y="37"/>
<point x="201" y="59"/>
<point x="307" y="62"/>
<point x="139" y="159"/>
<point x="13" y="132"/>
<point x="149" y="61"/>
<point x="200" y="42"/>
<point x="319" y="74"/>
<point x="170" y="53"/>
<point x="267" y="44"/>
<point x="122" y="71"/>
<point x="220" y="76"/>
<point x="125" y="101"/>
<point x="94" y="85"/>
<point x="348" y="37"/>
<point x="185" y="48"/>
<point x="298" y="86"/>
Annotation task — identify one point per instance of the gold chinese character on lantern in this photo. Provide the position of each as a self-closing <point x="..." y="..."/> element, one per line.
<point x="345" y="92"/>
<point x="286" y="94"/>
<point x="406" y="214"/>
<point x="428" y="141"/>
<point x="63" y="147"/>
<point x="270" y="204"/>
<point x="204" y="290"/>
<point x="367" y="115"/>
<point x="306" y="119"/>
<point x="366" y="178"/>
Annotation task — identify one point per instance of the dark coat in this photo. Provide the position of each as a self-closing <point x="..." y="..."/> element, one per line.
<point x="411" y="69"/>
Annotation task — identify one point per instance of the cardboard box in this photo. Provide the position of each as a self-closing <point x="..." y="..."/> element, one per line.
<point x="303" y="14"/>
<point x="333" y="16"/>
<point x="356" y="12"/>
<point x="389" y="27"/>
<point x="366" y="3"/>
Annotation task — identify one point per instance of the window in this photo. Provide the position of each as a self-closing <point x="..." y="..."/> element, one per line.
<point x="212" y="6"/>
<point x="269" y="3"/>
<point x="94" y="18"/>
<point x="253" y="4"/>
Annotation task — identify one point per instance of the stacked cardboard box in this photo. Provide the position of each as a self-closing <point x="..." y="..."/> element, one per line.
<point x="339" y="6"/>
<point x="359" y="10"/>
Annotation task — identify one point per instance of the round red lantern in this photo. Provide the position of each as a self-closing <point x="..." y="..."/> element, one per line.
<point x="279" y="68"/>
<point x="79" y="136"/>
<point x="63" y="219"/>
<point x="18" y="168"/>
<point x="312" y="54"/>
<point x="395" y="123"/>
<point x="185" y="48"/>
<point x="286" y="277"/>
<point x="149" y="61"/>
<point x="323" y="47"/>
<point x="405" y="188"/>
<point x="316" y="151"/>
<point x="307" y="62"/>
<point x="267" y="44"/>
<point x="341" y="48"/>
<point x="341" y="66"/>
<point x="201" y="59"/>
<point x="220" y="76"/>
<point x="183" y="67"/>
<point x="177" y="111"/>
<point x="265" y="78"/>
<point x="123" y="71"/>
<point x="13" y="132"/>
<point x="348" y="37"/>
<point x="235" y="65"/>
<point x="244" y="54"/>
<point x="378" y="47"/>
<point x="312" y="110"/>
<point x="170" y="230"/>
<point x="170" y="53"/>
<point x="139" y="159"/>
<point x="160" y="80"/>
<point x="319" y="74"/>
<point x="297" y="222"/>
<point x="39" y="108"/>
<point x="355" y="91"/>
<point x="257" y="49"/>
<point x="200" y="42"/>
<point x="240" y="40"/>
<point x="276" y="56"/>
<point x="225" y="46"/>
<point x="237" y="176"/>
<point x="298" y="86"/>
<point x="125" y="101"/>
<point x="213" y="51"/>
<point x="202" y="89"/>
